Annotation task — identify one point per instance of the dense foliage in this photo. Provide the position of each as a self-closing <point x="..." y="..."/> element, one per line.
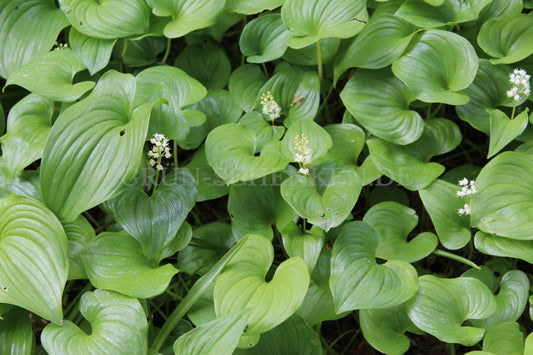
<point x="266" y="177"/>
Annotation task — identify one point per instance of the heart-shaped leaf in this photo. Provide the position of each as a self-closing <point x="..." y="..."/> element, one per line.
<point x="28" y="125"/>
<point x="118" y="325"/>
<point x="244" y="85"/>
<point x="507" y="40"/>
<point x="93" y="52"/>
<point x="393" y="222"/>
<point x="264" y="131"/>
<point x="348" y="142"/>
<point x="154" y="220"/>
<point x="28" y="29"/>
<point x="437" y="65"/>
<point x="504" y="200"/>
<point x="357" y="281"/>
<point x="209" y="185"/>
<point x="242" y="285"/>
<point x="51" y="76"/>
<point x="511" y="248"/>
<point x="325" y="199"/>
<point x="230" y="150"/>
<point x="311" y="20"/>
<point x="102" y="133"/>
<point x="442" y="305"/>
<point x="264" y="39"/>
<point x="306" y="244"/>
<point x="187" y="15"/>
<point x="504" y="130"/>
<point x="34" y="257"/>
<point x="441" y="202"/>
<point x="79" y="233"/>
<point x="16" y="334"/>
<point x="501" y="9"/>
<point x="114" y="261"/>
<point x="505" y="338"/>
<point x="107" y="19"/>
<point x="316" y="138"/>
<point x="380" y="103"/>
<point x="250" y="7"/>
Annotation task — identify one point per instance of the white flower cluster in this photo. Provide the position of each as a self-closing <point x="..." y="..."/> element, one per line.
<point x="160" y="149"/>
<point x="270" y="107"/>
<point x="303" y="155"/>
<point x="58" y="46"/>
<point x="520" y="81"/>
<point x="467" y="188"/>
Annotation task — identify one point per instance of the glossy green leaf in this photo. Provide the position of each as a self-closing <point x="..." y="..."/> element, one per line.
<point x="442" y="203"/>
<point x="79" y="233"/>
<point x="309" y="55"/>
<point x="28" y="125"/>
<point x="16" y="334"/>
<point x="223" y="23"/>
<point x="425" y="15"/>
<point x="107" y="19"/>
<point x="437" y="65"/>
<point x="206" y="62"/>
<point x="33" y="258"/>
<point x="504" y="201"/>
<point x="265" y="132"/>
<point x="501" y="8"/>
<point x="26" y="184"/>
<point x="442" y="305"/>
<point x="230" y="151"/>
<point x="102" y="133"/>
<point x="218" y="337"/>
<point x="327" y="198"/>
<point x="380" y="103"/>
<point x="115" y="261"/>
<point x="264" y="39"/>
<point x="348" y="142"/>
<point x="28" y="29"/>
<point x="503" y="130"/>
<point x="311" y="20"/>
<point x="142" y="52"/>
<point x="203" y="310"/>
<point x="187" y="15"/>
<point x="306" y="244"/>
<point x="505" y="339"/>
<point x="486" y="92"/>
<point x="154" y="220"/>
<point x="357" y="281"/>
<point x="293" y="336"/>
<point x="250" y="7"/>
<point x="319" y="140"/>
<point x="507" y="39"/>
<point x="393" y="223"/>
<point x="511" y="248"/>
<point x="93" y="52"/>
<point x="118" y="326"/>
<point x="51" y="76"/>
<point x="244" y="85"/>
<point x="378" y="45"/>
<point x="209" y="185"/>
<point x="242" y="285"/>
<point x="384" y="328"/>
<point x="318" y="305"/>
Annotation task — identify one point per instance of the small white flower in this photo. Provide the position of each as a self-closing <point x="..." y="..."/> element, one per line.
<point x="464" y="210"/>
<point x="463" y="182"/>
<point x="160" y="149"/>
<point x="304" y="171"/>
<point x="520" y="81"/>
<point x="270" y="106"/>
<point x="152" y="162"/>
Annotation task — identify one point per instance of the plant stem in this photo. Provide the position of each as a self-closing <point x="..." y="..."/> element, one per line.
<point x="321" y="78"/>
<point x="456" y="258"/>
<point x="155" y="181"/>
<point x="175" y="155"/>
<point x="125" y="48"/>
<point x="167" y="51"/>
<point x="512" y="113"/>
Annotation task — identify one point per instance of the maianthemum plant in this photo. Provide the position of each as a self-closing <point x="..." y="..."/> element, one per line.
<point x="266" y="177"/>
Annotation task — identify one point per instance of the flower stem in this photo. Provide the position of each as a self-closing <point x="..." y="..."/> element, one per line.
<point x="175" y="154"/>
<point x="321" y="78"/>
<point x="512" y="113"/>
<point x="167" y="51"/>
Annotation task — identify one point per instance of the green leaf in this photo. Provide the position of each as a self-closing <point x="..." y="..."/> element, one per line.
<point x="16" y="334"/>
<point x="93" y="52"/>
<point x="142" y="52"/>
<point x="242" y="285"/>
<point x="206" y="62"/>
<point x="504" y="201"/>
<point x="357" y="281"/>
<point x="348" y="142"/>
<point x="318" y="305"/>
<point x="511" y="248"/>
<point x="422" y="14"/>
<point x="319" y="140"/>
<point x="442" y="305"/>
<point x="504" y="339"/>
<point x="250" y="7"/>
<point x="393" y="223"/>
<point x="501" y="8"/>
<point x="26" y="184"/>
<point x="107" y="19"/>
<point x="327" y="198"/>
<point x="33" y="258"/>
<point x="380" y="103"/>
<point x="504" y="130"/>
<point x="155" y="220"/>
<point x="294" y="336"/>
<point x="187" y="15"/>
<point x="378" y="45"/>
<point x="102" y="133"/>
<point x="28" y="29"/>
<point x="437" y="65"/>
<point x="306" y="244"/>
<point x="507" y="39"/>
<point x="442" y="203"/>
<point x="230" y="151"/>
<point x="264" y="39"/>
<point x="209" y="185"/>
<point x="118" y="326"/>
<point x="28" y="125"/>
<point x="114" y="261"/>
<point x="408" y="164"/>
<point x="309" y="55"/>
<point x="79" y="233"/>
<point x="311" y="20"/>
<point x="264" y="131"/>
<point x="244" y="85"/>
<point x="218" y="337"/>
<point x="51" y="76"/>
